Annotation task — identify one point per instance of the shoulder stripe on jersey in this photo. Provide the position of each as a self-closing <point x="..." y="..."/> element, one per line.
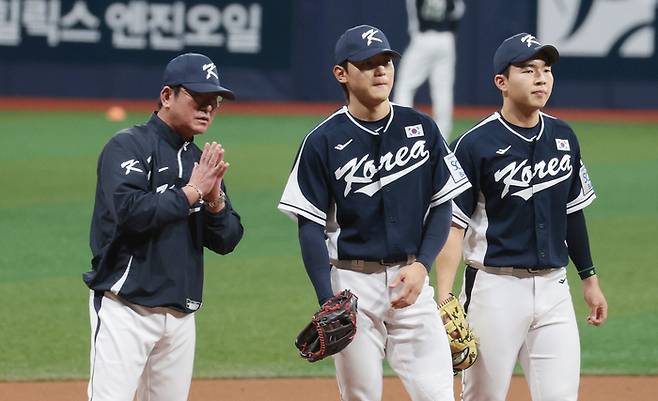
<point x="487" y="120"/>
<point x="548" y="115"/>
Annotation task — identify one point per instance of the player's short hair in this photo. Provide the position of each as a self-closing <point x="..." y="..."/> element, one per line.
<point x="175" y="89"/>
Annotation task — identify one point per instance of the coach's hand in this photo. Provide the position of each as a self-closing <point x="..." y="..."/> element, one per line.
<point x="598" y="306"/>
<point x="210" y="168"/>
<point x="412" y="278"/>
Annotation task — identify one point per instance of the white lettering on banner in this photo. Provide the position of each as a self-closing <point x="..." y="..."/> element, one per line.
<point x="45" y="18"/>
<point x="135" y="24"/>
<point x="594" y="28"/>
<point x="128" y="24"/>
<point x="243" y="28"/>
<point x="167" y="25"/>
<point x="388" y="162"/>
<point x="203" y="20"/>
<point x="88" y="24"/>
<point x="172" y="27"/>
<point x="541" y="169"/>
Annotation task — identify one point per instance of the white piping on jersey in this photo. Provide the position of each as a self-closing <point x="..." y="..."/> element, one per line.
<point x="117" y="286"/>
<point x="390" y="120"/>
<point x="180" y="162"/>
<point x="536" y="137"/>
<point x="459" y="217"/>
<point x="475" y="239"/>
<point x="481" y="123"/>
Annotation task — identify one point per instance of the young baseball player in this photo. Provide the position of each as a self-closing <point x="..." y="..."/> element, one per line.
<point x="518" y="225"/>
<point x="370" y="189"/>
<point x="159" y="201"/>
<point x="431" y="54"/>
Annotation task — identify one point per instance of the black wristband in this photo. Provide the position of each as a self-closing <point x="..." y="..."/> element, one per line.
<point x="587" y="272"/>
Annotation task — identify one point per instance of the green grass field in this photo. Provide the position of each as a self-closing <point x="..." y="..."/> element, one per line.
<point x="258" y="298"/>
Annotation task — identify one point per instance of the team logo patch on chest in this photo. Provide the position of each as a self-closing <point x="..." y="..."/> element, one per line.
<point x="414" y="131"/>
<point x="362" y="170"/>
<point x="562" y="144"/>
<point x="519" y="175"/>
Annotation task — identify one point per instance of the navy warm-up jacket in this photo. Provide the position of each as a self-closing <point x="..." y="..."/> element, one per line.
<point x="147" y="242"/>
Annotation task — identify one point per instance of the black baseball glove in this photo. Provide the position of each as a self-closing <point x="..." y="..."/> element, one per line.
<point x="332" y="328"/>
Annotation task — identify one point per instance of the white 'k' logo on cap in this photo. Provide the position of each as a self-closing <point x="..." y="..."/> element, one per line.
<point x="370" y="35"/>
<point x="210" y="69"/>
<point x="530" y="40"/>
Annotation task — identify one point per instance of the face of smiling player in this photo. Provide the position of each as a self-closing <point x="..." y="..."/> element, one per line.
<point x="369" y="82"/>
<point x="527" y="87"/>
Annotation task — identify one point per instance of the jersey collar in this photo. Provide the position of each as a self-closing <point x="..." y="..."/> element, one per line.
<point x="165" y="131"/>
<point x="371" y="132"/>
<point x="534" y="138"/>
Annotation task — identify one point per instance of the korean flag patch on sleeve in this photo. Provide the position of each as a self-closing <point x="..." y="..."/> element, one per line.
<point x="454" y="167"/>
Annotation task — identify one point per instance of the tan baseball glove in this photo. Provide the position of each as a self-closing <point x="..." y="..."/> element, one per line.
<point x="462" y="341"/>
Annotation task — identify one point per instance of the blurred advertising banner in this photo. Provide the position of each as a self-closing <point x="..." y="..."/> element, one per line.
<point x="602" y="38"/>
<point x="245" y="33"/>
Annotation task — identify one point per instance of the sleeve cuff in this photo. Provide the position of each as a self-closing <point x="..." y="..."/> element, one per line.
<point x="587" y="272"/>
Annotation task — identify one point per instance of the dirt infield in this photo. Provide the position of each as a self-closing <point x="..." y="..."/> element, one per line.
<point x="305" y="108"/>
<point x="592" y="388"/>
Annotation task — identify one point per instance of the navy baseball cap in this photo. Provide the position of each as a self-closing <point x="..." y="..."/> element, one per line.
<point x="360" y="43"/>
<point x="195" y="72"/>
<point x="522" y="47"/>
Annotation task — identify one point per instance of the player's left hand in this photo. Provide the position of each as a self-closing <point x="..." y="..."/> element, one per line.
<point x="412" y="279"/>
<point x="598" y="307"/>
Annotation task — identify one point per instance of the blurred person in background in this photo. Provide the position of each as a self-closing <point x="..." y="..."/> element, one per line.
<point x="431" y="54"/>
<point x="159" y="201"/>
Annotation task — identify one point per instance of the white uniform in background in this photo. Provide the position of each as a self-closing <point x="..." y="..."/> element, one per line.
<point x="431" y="54"/>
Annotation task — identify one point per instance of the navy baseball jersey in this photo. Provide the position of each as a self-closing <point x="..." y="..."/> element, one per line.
<point x="147" y="242"/>
<point x="372" y="190"/>
<point x="435" y="15"/>
<point x="523" y="188"/>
